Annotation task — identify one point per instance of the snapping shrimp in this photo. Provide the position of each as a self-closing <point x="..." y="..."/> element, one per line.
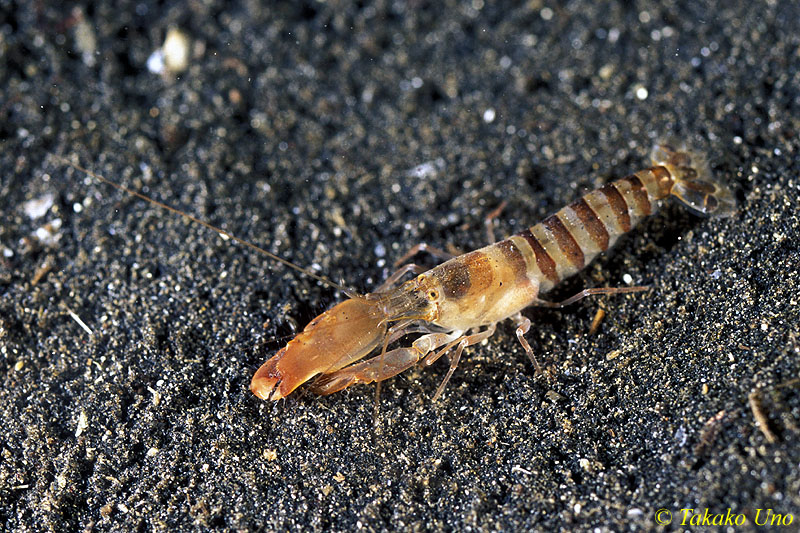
<point x="460" y="302"/>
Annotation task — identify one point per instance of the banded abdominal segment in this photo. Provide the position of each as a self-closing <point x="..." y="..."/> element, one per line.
<point x="565" y="242"/>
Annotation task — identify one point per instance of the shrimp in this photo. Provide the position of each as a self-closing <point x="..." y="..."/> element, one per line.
<point x="460" y="302"/>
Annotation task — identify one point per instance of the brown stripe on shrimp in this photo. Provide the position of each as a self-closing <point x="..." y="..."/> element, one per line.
<point x="544" y="263"/>
<point x="456" y="279"/>
<point x="566" y="242"/>
<point x="591" y="224"/>
<point x="657" y="181"/>
<point x="618" y="205"/>
<point x="632" y="198"/>
<point x="639" y="194"/>
<point x="465" y="274"/>
<point x="548" y="240"/>
<point x="577" y="230"/>
<point x="514" y="258"/>
<point x="598" y="202"/>
<point x="526" y="250"/>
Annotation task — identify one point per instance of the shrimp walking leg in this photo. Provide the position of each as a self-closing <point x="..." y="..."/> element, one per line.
<point x="473" y="339"/>
<point x="489" y="221"/>
<point x="590" y="292"/>
<point x="468" y="340"/>
<point x="392" y="280"/>
<point x="438" y="253"/>
<point x="523" y="326"/>
<point x="384" y="366"/>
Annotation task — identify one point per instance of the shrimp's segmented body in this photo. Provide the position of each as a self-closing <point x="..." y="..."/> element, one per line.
<point x="460" y="302"/>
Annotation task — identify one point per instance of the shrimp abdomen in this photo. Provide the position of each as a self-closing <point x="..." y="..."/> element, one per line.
<point x="565" y="242"/>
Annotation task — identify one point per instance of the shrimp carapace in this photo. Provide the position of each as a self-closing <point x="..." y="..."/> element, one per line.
<point x="460" y="302"/>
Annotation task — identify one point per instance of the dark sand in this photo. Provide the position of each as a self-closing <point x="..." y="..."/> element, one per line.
<point x="299" y="128"/>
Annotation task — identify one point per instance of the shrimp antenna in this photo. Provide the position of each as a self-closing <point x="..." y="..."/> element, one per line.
<point x="348" y="291"/>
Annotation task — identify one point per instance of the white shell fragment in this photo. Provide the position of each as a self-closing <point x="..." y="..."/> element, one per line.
<point x="173" y="56"/>
<point x="37" y="207"/>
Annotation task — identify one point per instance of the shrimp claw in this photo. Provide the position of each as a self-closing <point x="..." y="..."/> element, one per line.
<point x="383" y="366"/>
<point x="336" y="338"/>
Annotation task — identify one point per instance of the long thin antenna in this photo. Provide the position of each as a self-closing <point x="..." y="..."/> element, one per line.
<point x="349" y="292"/>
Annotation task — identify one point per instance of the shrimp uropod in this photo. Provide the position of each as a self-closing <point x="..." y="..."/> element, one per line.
<point x="459" y="302"/>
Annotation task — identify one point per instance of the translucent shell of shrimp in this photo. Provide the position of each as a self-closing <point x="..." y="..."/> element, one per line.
<point x="460" y="302"/>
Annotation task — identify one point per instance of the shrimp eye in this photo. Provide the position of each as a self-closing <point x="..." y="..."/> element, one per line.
<point x="433" y="295"/>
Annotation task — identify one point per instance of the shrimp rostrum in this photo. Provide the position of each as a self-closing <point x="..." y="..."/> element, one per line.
<point x="461" y="301"/>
